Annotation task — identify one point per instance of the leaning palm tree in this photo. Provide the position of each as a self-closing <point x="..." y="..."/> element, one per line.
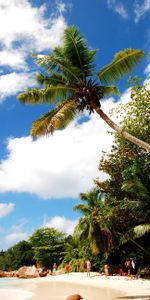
<point x="71" y="85"/>
<point x="92" y="226"/>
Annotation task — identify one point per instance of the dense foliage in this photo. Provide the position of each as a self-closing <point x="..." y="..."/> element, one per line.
<point x="48" y="245"/>
<point x="127" y="189"/>
<point x="17" y="256"/>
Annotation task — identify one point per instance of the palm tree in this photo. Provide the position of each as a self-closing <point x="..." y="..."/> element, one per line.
<point x="140" y="192"/>
<point x="70" y="84"/>
<point x="72" y="248"/>
<point x="91" y="226"/>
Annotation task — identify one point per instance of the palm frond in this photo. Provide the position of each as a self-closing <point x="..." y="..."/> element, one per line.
<point x="55" y="119"/>
<point x="76" y="49"/>
<point x="60" y="63"/>
<point x="141" y="230"/>
<point x="123" y="63"/>
<point x="50" y="94"/>
<point x="108" y="90"/>
<point x="33" y="96"/>
<point x="54" y="79"/>
<point x="82" y="208"/>
<point x="135" y="186"/>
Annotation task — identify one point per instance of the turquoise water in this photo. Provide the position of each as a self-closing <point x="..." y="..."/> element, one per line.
<point x="9" y="282"/>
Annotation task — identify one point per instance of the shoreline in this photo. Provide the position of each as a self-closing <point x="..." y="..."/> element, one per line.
<point x="61" y="286"/>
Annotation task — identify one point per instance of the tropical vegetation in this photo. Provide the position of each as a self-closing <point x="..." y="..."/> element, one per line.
<point x="115" y="215"/>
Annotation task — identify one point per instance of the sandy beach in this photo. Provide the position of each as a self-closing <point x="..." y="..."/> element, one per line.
<point x="94" y="288"/>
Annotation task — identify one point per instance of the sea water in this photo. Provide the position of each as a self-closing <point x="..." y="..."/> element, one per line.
<point x="14" y="289"/>
<point x="8" y="282"/>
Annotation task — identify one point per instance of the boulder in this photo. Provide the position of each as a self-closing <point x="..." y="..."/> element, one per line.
<point x="2" y="273"/>
<point x="74" y="297"/>
<point x="28" y="272"/>
<point x="8" y="273"/>
<point x="145" y="273"/>
<point x="42" y="271"/>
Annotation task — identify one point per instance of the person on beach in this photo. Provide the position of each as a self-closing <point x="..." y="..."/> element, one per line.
<point x="67" y="268"/>
<point x="54" y="269"/>
<point x="128" y="266"/>
<point x="120" y="270"/>
<point x="88" y="267"/>
<point x="78" y="266"/>
<point x="106" y="270"/>
<point x="84" y="266"/>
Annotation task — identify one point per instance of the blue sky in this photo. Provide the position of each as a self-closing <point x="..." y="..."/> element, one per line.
<point x="40" y="180"/>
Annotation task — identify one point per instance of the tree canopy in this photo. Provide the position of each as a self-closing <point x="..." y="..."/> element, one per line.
<point x="69" y="84"/>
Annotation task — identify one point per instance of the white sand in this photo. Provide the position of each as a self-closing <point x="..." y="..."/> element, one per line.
<point x="93" y="288"/>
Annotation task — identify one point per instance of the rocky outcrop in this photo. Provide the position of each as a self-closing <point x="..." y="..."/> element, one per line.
<point x="145" y="273"/>
<point x="74" y="297"/>
<point x="28" y="272"/>
<point x="43" y="272"/>
<point x="8" y="274"/>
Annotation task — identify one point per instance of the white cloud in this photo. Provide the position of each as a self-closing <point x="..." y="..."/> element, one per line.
<point x="13" y="59"/>
<point x="14" y="82"/>
<point x="6" y="208"/>
<point x="19" y="20"/>
<point x="61" y="165"/>
<point x="24" y="29"/>
<point x="141" y="9"/>
<point x="61" y="223"/>
<point x="147" y="70"/>
<point x="13" y="235"/>
<point x="61" y="7"/>
<point x="118" y="7"/>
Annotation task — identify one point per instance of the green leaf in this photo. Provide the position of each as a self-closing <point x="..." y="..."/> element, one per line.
<point x="108" y="90"/>
<point x="76" y="50"/>
<point x="141" y="230"/>
<point x="60" y="63"/>
<point x="123" y="63"/>
<point x="48" y="95"/>
<point x="33" y="96"/>
<point x="54" y="79"/>
<point x="55" y="119"/>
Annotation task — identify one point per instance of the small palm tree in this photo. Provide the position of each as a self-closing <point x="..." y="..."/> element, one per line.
<point x="91" y="226"/>
<point x="71" y="85"/>
<point x="136" y="188"/>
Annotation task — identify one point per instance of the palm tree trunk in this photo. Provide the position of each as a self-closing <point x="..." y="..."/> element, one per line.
<point x="138" y="245"/>
<point x="122" y="131"/>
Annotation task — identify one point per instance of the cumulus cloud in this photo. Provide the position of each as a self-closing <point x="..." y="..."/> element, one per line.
<point x="118" y="7"/>
<point x="61" y="223"/>
<point x="14" y="82"/>
<point x="24" y="29"/>
<point x="6" y="208"/>
<point x="14" y="237"/>
<point x="19" y="20"/>
<point x="13" y="59"/>
<point x="15" y="234"/>
<point x="61" y="165"/>
<point x="141" y="9"/>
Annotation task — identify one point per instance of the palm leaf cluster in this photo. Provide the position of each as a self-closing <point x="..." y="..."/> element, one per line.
<point x="69" y="82"/>
<point x="123" y="63"/>
<point x="91" y="226"/>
